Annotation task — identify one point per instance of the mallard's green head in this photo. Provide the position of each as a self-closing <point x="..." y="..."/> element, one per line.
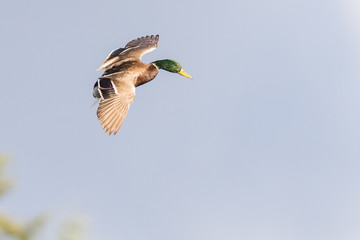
<point x="171" y="66"/>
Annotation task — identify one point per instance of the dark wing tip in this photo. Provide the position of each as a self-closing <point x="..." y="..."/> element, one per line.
<point x="157" y="39"/>
<point x="144" y="41"/>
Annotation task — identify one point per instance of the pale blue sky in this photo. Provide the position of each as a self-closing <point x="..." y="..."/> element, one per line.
<point x="263" y="143"/>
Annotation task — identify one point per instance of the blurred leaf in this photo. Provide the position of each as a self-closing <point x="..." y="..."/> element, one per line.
<point x="74" y="229"/>
<point x="4" y="184"/>
<point x="33" y="227"/>
<point x="12" y="228"/>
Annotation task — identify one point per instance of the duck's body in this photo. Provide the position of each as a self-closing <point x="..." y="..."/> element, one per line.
<point x="123" y="72"/>
<point x="145" y="72"/>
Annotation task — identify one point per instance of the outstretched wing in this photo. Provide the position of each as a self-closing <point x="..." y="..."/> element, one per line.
<point x="116" y="97"/>
<point x="134" y="50"/>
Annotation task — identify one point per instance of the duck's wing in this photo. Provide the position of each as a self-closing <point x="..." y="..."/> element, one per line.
<point x="116" y="97"/>
<point x="134" y="50"/>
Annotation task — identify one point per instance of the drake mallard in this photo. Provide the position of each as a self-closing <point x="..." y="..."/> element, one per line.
<point x="124" y="71"/>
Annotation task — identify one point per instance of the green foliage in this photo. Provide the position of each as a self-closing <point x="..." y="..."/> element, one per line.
<point x="73" y="230"/>
<point x="8" y="226"/>
<point x="16" y="230"/>
<point x="20" y="231"/>
<point x="4" y="184"/>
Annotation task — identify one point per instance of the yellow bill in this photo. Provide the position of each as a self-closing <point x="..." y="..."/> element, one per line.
<point x="182" y="72"/>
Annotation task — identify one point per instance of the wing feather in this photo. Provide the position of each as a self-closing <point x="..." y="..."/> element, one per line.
<point x="112" y="111"/>
<point x="134" y="50"/>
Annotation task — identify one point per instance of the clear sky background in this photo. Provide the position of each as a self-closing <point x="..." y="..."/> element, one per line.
<point x="262" y="143"/>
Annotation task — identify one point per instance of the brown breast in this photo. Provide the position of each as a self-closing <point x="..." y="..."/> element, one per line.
<point x="147" y="75"/>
